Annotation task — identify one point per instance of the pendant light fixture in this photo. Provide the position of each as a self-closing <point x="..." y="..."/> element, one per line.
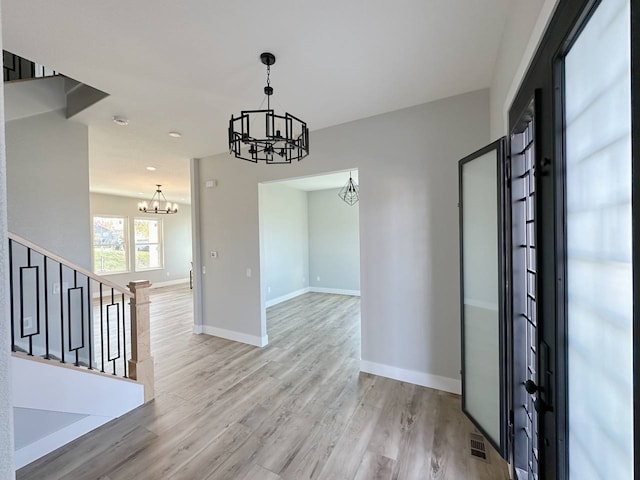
<point x="155" y="204"/>
<point x="350" y="192"/>
<point x="261" y="135"/>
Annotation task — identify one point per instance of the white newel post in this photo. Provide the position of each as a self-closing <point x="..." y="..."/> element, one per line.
<point x="141" y="363"/>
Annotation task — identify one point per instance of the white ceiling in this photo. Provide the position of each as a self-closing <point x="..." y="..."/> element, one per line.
<point x="187" y="65"/>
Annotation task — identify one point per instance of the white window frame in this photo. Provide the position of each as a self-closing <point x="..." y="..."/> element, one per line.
<point x="126" y="245"/>
<point x="160" y="243"/>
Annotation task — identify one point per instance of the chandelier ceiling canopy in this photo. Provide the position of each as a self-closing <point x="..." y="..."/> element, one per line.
<point x="154" y="205"/>
<point x="262" y="135"/>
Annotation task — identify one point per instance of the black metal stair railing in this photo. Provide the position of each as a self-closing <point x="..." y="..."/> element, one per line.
<point x="15" y="67"/>
<point x="60" y="311"/>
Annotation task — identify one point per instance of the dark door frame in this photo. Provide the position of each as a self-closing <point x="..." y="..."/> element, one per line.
<point x="543" y="75"/>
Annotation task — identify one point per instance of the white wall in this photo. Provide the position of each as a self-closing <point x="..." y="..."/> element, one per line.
<point x="48" y="184"/>
<point x="407" y="163"/>
<point x="48" y="197"/>
<point x="32" y="424"/>
<point x="54" y="389"/>
<point x="525" y="26"/>
<point x="6" y="412"/>
<point x="284" y="233"/>
<point x="34" y="97"/>
<point x="334" y="242"/>
<point x="308" y="241"/>
<point x="176" y="235"/>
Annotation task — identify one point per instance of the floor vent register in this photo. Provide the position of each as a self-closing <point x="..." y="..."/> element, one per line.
<point x="478" y="447"/>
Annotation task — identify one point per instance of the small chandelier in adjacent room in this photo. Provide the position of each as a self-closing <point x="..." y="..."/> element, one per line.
<point x="262" y="135"/>
<point x="350" y="192"/>
<point x="154" y="205"/>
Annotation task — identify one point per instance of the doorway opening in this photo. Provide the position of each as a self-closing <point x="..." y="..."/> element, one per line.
<point x="309" y="239"/>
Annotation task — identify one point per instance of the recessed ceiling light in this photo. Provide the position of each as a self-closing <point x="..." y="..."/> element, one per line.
<point x="175" y="134"/>
<point x="140" y="193"/>
<point x="120" y="120"/>
<point x="151" y="169"/>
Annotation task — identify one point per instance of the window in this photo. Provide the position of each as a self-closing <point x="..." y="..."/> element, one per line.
<point x="148" y="234"/>
<point x="110" y="245"/>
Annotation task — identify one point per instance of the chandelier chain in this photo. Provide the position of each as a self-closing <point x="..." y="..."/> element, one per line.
<point x="268" y="85"/>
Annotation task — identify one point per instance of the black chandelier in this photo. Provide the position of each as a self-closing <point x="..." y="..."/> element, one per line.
<point x="350" y="193"/>
<point x="263" y="135"/>
<point x="154" y="204"/>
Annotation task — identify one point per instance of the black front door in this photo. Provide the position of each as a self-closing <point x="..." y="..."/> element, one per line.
<point x="582" y="282"/>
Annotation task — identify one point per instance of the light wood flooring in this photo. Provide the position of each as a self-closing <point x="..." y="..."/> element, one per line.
<point x="296" y="409"/>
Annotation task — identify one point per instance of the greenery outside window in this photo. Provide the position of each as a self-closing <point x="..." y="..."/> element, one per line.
<point x="110" y="252"/>
<point x="148" y="238"/>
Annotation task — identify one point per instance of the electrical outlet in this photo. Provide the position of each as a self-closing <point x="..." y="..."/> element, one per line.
<point x="28" y="323"/>
<point x="248" y="272"/>
<point x="318" y="278"/>
<point x="214" y="254"/>
<point x="268" y="289"/>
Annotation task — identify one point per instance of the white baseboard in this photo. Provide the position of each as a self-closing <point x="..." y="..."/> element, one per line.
<point x="284" y="298"/>
<point x="236" y="336"/>
<point x="48" y="444"/>
<point x="169" y="283"/>
<point x="302" y="291"/>
<point x="335" y="291"/>
<point x="198" y="329"/>
<point x="107" y="292"/>
<point x="437" y="382"/>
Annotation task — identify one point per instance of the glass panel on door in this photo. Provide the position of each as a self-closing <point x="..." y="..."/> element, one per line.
<point x="597" y="96"/>
<point x="483" y="366"/>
